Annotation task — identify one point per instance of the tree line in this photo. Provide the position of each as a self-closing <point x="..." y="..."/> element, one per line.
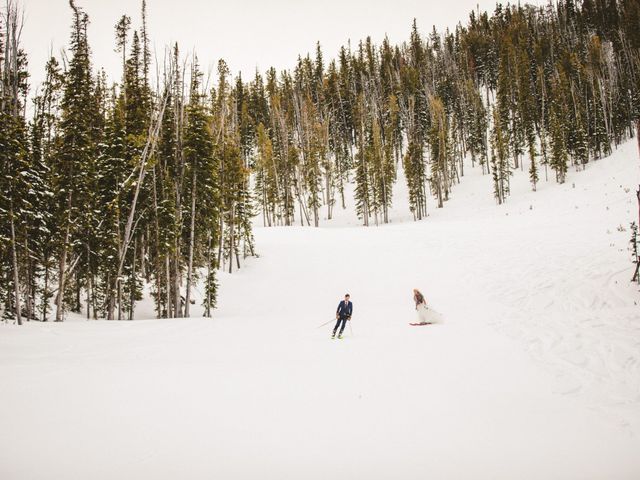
<point x="111" y="187"/>
<point x="153" y="179"/>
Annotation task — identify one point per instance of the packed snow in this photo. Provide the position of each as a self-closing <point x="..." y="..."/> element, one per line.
<point x="532" y="373"/>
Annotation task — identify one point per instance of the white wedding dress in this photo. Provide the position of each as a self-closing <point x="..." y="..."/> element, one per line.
<point x="427" y="315"/>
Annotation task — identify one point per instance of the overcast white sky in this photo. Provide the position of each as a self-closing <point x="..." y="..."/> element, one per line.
<point x="248" y="34"/>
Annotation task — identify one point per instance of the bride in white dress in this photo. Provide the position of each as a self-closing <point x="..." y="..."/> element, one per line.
<point x="425" y="315"/>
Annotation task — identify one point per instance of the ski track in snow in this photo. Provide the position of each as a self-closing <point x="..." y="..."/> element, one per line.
<point x="534" y="372"/>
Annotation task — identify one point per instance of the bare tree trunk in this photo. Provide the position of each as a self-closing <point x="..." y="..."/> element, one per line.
<point x="14" y="257"/>
<point x="93" y="299"/>
<point x="221" y="244"/>
<point x="232" y="240"/>
<point x="63" y="265"/>
<point x="208" y="309"/>
<point x="119" y="284"/>
<point x="316" y="218"/>
<point x="237" y="257"/>
<point x="149" y="148"/>
<point x="177" y="307"/>
<point x="77" y="308"/>
<point x="110" y="299"/>
<point x="168" y="287"/>
<point x="638" y="139"/>
<point x="191" y="243"/>
<point x="88" y="292"/>
<point x="330" y="199"/>
<point x="30" y="294"/>
<point x="159" y="273"/>
<point x="264" y="206"/>
<point x="143" y="266"/>
<point x="45" y="292"/>
<point x="132" y="294"/>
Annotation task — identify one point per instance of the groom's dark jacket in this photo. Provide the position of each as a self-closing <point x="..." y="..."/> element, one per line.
<point x="345" y="309"/>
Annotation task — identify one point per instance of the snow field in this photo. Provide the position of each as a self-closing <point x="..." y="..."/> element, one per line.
<point x="534" y="372"/>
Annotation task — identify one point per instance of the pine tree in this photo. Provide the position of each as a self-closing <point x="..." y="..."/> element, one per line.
<point x="477" y="119"/>
<point x="362" y="174"/>
<point x="558" y="134"/>
<point x="500" y="167"/>
<point x="266" y="176"/>
<point x="88" y="203"/>
<point x="43" y="146"/>
<point x="73" y="164"/>
<point x="204" y="189"/>
<point x="233" y="176"/>
<point x="439" y="142"/>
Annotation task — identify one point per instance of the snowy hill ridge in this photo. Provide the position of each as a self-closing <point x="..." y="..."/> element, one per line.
<point x="535" y="372"/>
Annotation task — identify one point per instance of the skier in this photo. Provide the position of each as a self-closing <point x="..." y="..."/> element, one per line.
<point x="421" y="307"/>
<point x="343" y="314"/>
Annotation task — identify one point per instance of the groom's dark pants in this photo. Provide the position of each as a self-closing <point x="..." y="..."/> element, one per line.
<point x="342" y="320"/>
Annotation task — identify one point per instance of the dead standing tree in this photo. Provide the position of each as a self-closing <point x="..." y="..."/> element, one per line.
<point x="10" y="98"/>
<point x="145" y="159"/>
<point x="637" y="261"/>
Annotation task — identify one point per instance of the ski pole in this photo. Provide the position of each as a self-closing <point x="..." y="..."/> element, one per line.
<point x="332" y="320"/>
<point x="350" y="328"/>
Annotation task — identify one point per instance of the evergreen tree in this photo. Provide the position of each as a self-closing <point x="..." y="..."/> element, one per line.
<point x="500" y="167"/>
<point x="91" y="211"/>
<point x="558" y="134"/>
<point x="204" y="191"/>
<point x="73" y="166"/>
<point x="440" y="151"/>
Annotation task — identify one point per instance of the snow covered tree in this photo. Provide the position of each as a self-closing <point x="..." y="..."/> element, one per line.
<point x="500" y="168"/>
<point x="202" y="171"/>
<point x="558" y="137"/>
<point x="440" y="154"/>
<point x="74" y="163"/>
<point x="91" y="211"/>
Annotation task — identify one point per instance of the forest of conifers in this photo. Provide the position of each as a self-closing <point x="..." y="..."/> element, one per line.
<point x="154" y="178"/>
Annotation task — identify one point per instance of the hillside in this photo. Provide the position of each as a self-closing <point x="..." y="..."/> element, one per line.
<point x="534" y="372"/>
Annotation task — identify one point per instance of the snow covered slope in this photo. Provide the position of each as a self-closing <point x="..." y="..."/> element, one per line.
<point x="534" y="373"/>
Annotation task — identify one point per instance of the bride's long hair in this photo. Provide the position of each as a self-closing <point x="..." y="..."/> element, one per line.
<point x="417" y="296"/>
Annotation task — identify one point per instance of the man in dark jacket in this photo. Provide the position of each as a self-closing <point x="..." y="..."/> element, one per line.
<point x="343" y="313"/>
